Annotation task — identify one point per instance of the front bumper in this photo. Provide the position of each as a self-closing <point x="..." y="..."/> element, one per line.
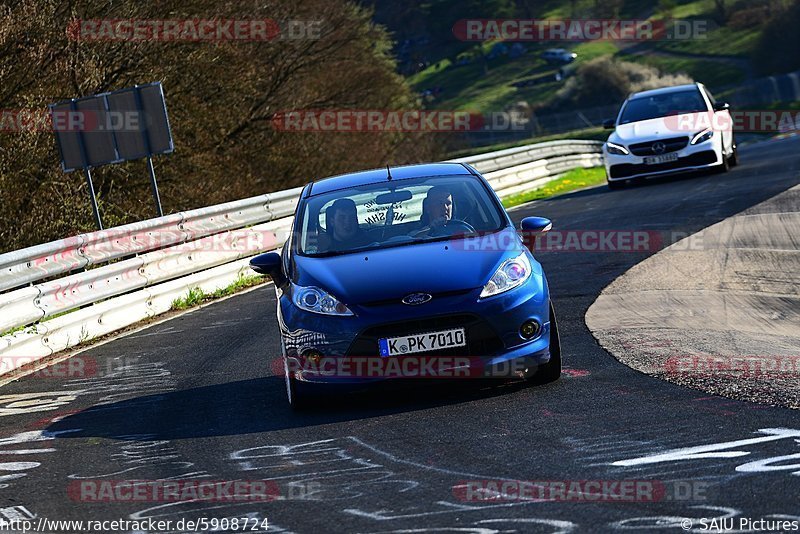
<point x="691" y="158"/>
<point x="495" y="345"/>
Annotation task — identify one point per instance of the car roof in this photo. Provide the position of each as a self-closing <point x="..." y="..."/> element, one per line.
<point x="344" y="181"/>
<point x="664" y="90"/>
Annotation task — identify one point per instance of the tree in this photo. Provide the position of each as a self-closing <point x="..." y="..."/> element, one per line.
<point x="221" y="98"/>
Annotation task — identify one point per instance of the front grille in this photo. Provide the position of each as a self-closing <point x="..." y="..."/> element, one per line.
<point x="673" y="144"/>
<point x="481" y="338"/>
<point x="398" y="300"/>
<point x="630" y="169"/>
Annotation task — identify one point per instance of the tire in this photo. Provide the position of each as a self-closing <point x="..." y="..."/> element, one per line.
<point x="725" y="166"/>
<point x="295" y="395"/>
<point x="615" y="186"/>
<point x="551" y="371"/>
<point x="734" y="158"/>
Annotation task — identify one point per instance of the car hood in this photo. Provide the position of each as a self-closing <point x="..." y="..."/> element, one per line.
<point x="660" y="128"/>
<point x="392" y="273"/>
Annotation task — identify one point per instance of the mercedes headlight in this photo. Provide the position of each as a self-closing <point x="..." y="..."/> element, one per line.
<point x="315" y="300"/>
<point x="512" y="273"/>
<point x="616" y="149"/>
<point x="700" y="137"/>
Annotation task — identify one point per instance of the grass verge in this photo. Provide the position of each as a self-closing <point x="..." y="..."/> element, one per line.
<point x="197" y="296"/>
<point x="572" y="180"/>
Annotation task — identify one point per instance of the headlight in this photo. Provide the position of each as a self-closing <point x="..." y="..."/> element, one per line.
<point x="512" y="273"/>
<point x="616" y="149"/>
<point x="700" y="137"/>
<point x="315" y="300"/>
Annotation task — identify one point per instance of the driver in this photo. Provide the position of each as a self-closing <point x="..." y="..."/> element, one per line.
<point x="342" y="225"/>
<point x="437" y="210"/>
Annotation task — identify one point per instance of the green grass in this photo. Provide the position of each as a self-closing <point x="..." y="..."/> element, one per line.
<point x="572" y="180"/>
<point x="472" y="88"/>
<point x="197" y="296"/>
<point x="19" y="329"/>
<point x="594" y="49"/>
<point x="684" y="10"/>
<point x="712" y="73"/>
<point x="475" y="88"/>
<point x="723" y="41"/>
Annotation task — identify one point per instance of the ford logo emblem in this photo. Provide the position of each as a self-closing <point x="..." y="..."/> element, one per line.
<point x="415" y="299"/>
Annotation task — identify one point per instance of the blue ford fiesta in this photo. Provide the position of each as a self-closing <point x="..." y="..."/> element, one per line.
<point x="413" y="271"/>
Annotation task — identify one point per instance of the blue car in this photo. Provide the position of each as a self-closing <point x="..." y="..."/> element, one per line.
<point x="409" y="272"/>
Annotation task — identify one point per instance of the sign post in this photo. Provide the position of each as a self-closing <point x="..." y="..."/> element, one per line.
<point x="96" y="210"/>
<point x="154" y="186"/>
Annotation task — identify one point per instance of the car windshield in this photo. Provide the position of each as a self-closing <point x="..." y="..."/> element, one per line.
<point x="662" y="105"/>
<point x="395" y="213"/>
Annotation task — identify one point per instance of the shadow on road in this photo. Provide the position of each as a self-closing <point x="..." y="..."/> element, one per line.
<point x="258" y="405"/>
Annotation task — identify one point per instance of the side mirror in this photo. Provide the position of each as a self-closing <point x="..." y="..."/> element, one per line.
<point x="609" y="124"/>
<point x="722" y="106"/>
<point x="269" y="263"/>
<point x="537" y="225"/>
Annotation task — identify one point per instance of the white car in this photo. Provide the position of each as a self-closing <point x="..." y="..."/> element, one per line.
<point x="667" y="131"/>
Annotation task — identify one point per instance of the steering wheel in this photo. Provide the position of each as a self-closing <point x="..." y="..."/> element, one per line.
<point x="452" y="227"/>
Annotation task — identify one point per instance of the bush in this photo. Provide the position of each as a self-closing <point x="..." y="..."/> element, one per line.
<point x="605" y="81"/>
<point x="776" y="50"/>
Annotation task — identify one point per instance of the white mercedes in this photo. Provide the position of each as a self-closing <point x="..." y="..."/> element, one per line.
<point x="666" y="131"/>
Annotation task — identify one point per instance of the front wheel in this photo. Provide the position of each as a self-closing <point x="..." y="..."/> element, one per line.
<point x="614" y="186"/>
<point x="734" y="159"/>
<point x="725" y="166"/>
<point x="551" y="371"/>
<point x="297" y="397"/>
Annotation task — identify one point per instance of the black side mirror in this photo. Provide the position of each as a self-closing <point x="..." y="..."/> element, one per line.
<point x="609" y="124"/>
<point x="722" y="106"/>
<point x="269" y="264"/>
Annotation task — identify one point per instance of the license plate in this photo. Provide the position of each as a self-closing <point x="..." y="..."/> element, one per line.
<point x="664" y="158"/>
<point x="430" y="341"/>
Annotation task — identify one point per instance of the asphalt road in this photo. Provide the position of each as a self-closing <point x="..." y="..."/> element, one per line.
<point x="196" y="398"/>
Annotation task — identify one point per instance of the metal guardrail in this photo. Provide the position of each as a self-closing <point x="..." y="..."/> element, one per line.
<point x="151" y="263"/>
